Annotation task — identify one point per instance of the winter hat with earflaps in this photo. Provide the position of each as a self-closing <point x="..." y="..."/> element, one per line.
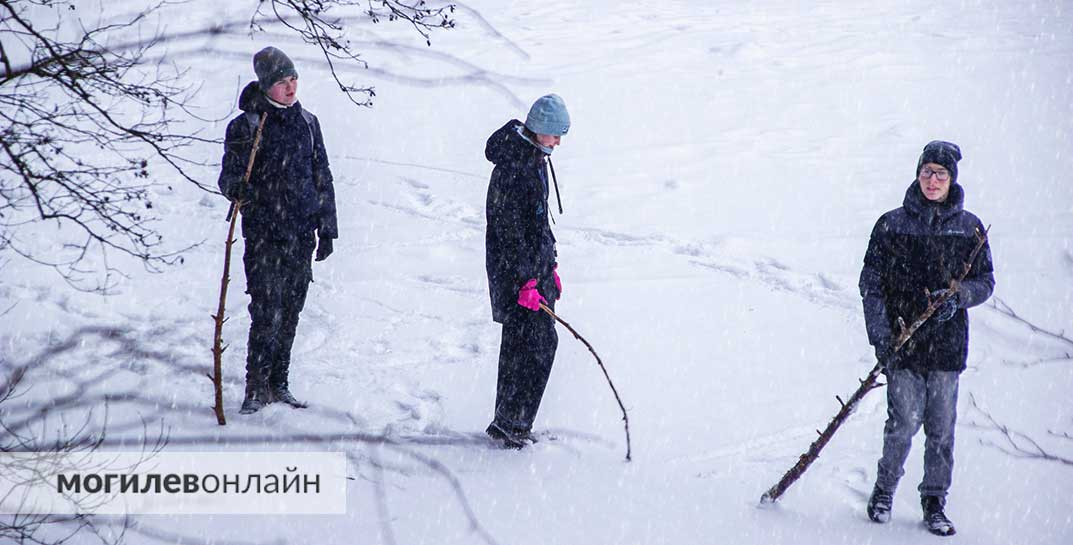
<point x="271" y="65"/>
<point x="942" y="153"/>
<point x="548" y="116"/>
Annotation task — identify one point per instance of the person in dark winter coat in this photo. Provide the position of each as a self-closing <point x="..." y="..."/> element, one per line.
<point x="287" y="207"/>
<point x="521" y="263"/>
<point x="913" y="254"/>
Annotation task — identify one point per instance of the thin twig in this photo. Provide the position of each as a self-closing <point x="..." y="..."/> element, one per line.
<point x="1002" y="308"/>
<point x="1029" y="450"/>
<point x="625" y="418"/>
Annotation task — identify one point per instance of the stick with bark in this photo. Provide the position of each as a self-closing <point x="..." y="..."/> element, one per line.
<point x="625" y="419"/>
<point x="218" y="336"/>
<point x="869" y="383"/>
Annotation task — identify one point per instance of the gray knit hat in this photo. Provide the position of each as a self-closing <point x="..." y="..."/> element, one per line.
<point x="942" y="153"/>
<point x="548" y="116"/>
<point x="271" y="65"/>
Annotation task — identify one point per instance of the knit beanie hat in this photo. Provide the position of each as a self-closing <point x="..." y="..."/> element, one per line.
<point x="942" y="153"/>
<point x="548" y="116"/>
<point x="271" y="65"/>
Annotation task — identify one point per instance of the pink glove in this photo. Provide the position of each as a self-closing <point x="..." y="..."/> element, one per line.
<point x="529" y="297"/>
<point x="558" y="283"/>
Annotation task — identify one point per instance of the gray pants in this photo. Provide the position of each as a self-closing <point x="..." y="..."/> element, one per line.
<point x="914" y="399"/>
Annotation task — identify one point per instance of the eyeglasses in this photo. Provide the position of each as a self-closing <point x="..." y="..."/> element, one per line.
<point x="941" y="175"/>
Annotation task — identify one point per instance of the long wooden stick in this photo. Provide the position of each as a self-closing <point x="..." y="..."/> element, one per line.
<point x="625" y="419"/>
<point x="868" y="384"/>
<point x="218" y="336"/>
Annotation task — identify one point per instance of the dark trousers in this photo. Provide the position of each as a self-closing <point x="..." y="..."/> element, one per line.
<point x="526" y="354"/>
<point x="278" y="273"/>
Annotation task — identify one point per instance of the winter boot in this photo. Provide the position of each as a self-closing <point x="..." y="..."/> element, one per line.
<point x="934" y="517"/>
<point x="256" y="398"/>
<point x="281" y="393"/>
<point x="509" y="439"/>
<point x="879" y="505"/>
<point x="278" y="388"/>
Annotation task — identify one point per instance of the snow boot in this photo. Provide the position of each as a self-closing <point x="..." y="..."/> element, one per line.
<point x="256" y="399"/>
<point x="879" y="505"/>
<point x="934" y="517"/>
<point x="281" y="393"/>
<point x="278" y="388"/>
<point x="509" y="439"/>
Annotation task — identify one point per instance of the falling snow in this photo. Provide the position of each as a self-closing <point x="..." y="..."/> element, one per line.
<point x="722" y="174"/>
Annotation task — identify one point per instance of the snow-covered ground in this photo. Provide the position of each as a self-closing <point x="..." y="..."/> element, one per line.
<point x="725" y="166"/>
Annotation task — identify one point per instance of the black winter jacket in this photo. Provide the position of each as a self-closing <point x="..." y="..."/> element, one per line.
<point x="290" y="190"/>
<point x="519" y="244"/>
<point x="916" y="249"/>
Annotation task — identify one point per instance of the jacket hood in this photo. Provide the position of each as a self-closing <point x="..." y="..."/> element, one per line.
<point x="253" y="100"/>
<point x="918" y="205"/>
<point x="507" y="144"/>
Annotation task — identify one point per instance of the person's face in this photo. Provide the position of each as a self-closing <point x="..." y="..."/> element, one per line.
<point x="934" y="182"/>
<point x="284" y="91"/>
<point x="548" y="141"/>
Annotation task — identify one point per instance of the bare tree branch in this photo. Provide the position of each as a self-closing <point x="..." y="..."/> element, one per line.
<point x="317" y="25"/>
<point x="1004" y="309"/>
<point x="1018" y="444"/>
<point x="1001" y="307"/>
<point x="91" y="116"/>
<point x="30" y="426"/>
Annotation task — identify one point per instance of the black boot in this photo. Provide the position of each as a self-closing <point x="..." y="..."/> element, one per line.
<point x="256" y="398"/>
<point x="934" y="517"/>
<point x="879" y="505"/>
<point x="281" y="393"/>
<point x="278" y="387"/>
<point x="508" y="438"/>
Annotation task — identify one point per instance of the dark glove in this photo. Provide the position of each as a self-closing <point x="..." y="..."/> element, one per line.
<point x="948" y="308"/>
<point x="324" y="248"/>
<point x="886" y="356"/>
<point x="236" y="192"/>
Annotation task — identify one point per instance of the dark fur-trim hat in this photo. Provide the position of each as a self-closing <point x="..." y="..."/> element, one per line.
<point x="271" y="65"/>
<point x="942" y="153"/>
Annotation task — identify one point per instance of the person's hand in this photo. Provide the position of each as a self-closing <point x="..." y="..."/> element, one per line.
<point x="236" y="192"/>
<point x="324" y="248"/>
<point x="558" y="283"/>
<point x="529" y="297"/>
<point x="885" y="356"/>
<point x="949" y="307"/>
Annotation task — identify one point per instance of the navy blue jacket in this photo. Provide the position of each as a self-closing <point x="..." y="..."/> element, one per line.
<point x="916" y="249"/>
<point x="519" y="244"/>
<point x="290" y="190"/>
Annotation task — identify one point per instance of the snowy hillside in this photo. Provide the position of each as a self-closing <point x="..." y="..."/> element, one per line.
<point x="725" y="166"/>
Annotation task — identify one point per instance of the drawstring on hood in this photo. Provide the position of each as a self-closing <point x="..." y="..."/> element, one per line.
<point x="510" y="144"/>
<point x="547" y="151"/>
<point x="555" y="182"/>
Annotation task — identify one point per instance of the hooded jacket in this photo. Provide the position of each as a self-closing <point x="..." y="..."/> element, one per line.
<point x="519" y="244"/>
<point x="914" y="250"/>
<point x="290" y="192"/>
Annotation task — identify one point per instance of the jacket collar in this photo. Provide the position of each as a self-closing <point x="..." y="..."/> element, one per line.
<point x="918" y="205"/>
